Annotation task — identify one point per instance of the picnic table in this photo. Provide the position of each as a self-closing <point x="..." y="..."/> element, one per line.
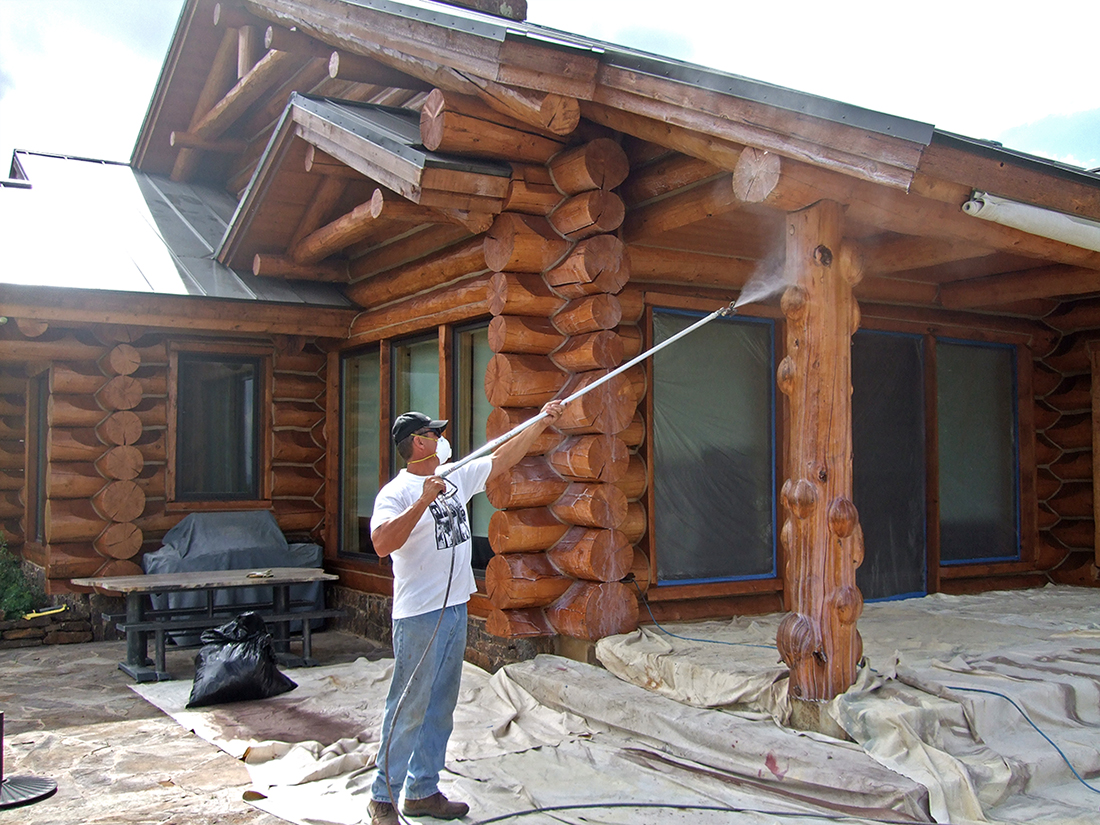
<point x="139" y="622"/>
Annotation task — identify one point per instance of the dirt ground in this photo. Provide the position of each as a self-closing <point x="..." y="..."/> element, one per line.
<point x="70" y="716"/>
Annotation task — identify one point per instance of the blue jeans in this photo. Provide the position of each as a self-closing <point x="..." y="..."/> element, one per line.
<point x="417" y="743"/>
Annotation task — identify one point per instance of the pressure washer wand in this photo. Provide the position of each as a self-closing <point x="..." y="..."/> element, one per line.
<point x="488" y="447"/>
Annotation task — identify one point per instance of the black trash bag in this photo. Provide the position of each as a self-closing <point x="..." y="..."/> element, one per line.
<point x="237" y="663"/>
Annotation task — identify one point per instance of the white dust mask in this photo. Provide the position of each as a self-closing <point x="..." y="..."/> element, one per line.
<point x="443" y="450"/>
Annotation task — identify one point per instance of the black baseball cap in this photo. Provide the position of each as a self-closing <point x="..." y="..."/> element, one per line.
<point x="411" y="422"/>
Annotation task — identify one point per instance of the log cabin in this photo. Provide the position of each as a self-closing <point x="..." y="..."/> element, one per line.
<point x="338" y="210"/>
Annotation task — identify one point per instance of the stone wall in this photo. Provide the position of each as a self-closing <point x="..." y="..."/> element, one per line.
<point x="67" y="627"/>
<point x="368" y="615"/>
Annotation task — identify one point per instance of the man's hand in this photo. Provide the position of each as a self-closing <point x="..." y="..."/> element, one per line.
<point x="553" y="410"/>
<point x="433" y="486"/>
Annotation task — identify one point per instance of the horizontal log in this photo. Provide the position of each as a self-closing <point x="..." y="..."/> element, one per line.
<point x="524" y="531"/>
<point x="119" y="541"/>
<point x="1045" y="417"/>
<point x="123" y="392"/>
<point x="522" y="243"/>
<point x="122" y="427"/>
<point x="505" y="419"/>
<point x="531" y="482"/>
<point x="11" y="479"/>
<point x="119" y="501"/>
<point x="1046" y="484"/>
<point x="120" y="462"/>
<point x="518" y="624"/>
<point x="640" y="569"/>
<point x="635" y="480"/>
<point x="282" y="266"/>
<point x="455" y="303"/>
<point x="1075" y="533"/>
<point x="76" y="379"/>
<point x="456" y="124"/>
<point x="636" y="523"/>
<point x="295" y="447"/>
<point x="649" y="264"/>
<point x="593" y="351"/>
<point x="13" y="429"/>
<point x="73" y="480"/>
<point x="297" y="414"/>
<point x="598" y="164"/>
<point x="1042" y="282"/>
<point x="438" y="269"/>
<point x="587" y="214"/>
<point x="1044" y="380"/>
<point x="1073" y="500"/>
<point x="295" y="482"/>
<point x="1072" y="466"/>
<point x="521" y="380"/>
<point x="1047" y="453"/>
<point x="607" y="409"/>
<point x="522" y="294"/>
<point x="72" y="561"/>
<point x="10" y="505"/>
<point x="687" y="206"/>
<point x="531" y="195"/>
<point x="594" y="555"/>
<point x="1072" y="432"/>
<point x="154" y="521"/>
<point x="291" y="386"/>
<point x="599" y="264"/>
<point x="69" y="520"/>
<point x="298" y="516"/>
<point x="153" y="445"/>
<point x="12" y="455"/>
<point x="592" y="611"/>
<point x="1071" y="394"/>
<point x="590" y="458"/>
<point x="588" y="314"/>
<point x="66" y="348"/>
<point x="591" y="504"/>
<point x="153" y="481"/>
<point x="523" y="334"/>
<point x="80" y="444"/>
<point x="632" y="339"/>
<point x="672" y="172"/>
<point x="515" y="580"/>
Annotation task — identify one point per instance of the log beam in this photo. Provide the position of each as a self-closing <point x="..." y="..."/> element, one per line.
<point x="714" y="197"/>
<point x="1043" y="282"/>
<point x="457" y="124"/>
<point x="818" y="639"/>
<point x="282" y="266"/>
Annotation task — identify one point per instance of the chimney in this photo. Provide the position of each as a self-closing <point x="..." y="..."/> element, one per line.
<point x="511" y="9"/>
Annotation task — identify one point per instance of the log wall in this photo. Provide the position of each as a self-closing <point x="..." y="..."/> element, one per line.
<point x="569" y="515"/>
<point x="1064" y="457"/>
<point x="107" y="414"/>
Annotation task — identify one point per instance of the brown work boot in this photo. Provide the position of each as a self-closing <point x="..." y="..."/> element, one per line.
<point x="382" y="813"/>
<point x="436" y="805"/>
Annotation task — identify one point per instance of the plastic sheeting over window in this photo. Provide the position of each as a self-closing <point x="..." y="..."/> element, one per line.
<point x="360" y="433"/>
<point x="713" y="445"/>
<point x="888" y="458"/>
<point x="976" y="414"/>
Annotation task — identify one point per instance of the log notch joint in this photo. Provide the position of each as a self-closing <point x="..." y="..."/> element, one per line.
<point x="818" y="639"/>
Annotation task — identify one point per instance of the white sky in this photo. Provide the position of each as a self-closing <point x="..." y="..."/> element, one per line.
<point x="76" y="75"/>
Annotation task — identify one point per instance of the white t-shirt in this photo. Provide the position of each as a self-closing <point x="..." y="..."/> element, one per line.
<point x="420" y="565"/>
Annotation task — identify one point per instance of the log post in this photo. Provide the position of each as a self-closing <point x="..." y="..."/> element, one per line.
<point x="818" y="639"/>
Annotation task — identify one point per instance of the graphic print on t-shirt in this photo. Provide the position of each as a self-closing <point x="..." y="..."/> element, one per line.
<point x="451" y="526"/>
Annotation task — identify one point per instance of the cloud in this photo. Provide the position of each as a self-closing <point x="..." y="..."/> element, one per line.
<point x="1071" y="138"/>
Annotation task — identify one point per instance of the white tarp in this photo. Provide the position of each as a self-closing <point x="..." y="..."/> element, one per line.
<point x="698" y="724"/>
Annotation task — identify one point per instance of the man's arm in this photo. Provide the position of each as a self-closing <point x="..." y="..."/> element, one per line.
<point x="511" y="451"/>
<point x="390" y="535"/>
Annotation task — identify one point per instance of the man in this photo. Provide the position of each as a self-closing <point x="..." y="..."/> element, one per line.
<point x="420" y="521"/>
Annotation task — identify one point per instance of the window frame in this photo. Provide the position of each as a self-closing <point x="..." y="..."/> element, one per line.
<point x="214" y="351"/>
<point x="382" y="353"/>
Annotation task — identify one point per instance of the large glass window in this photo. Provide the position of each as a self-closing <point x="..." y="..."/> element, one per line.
<point x="888" y="463"/>
<point x="217" y="433"/>
<point x="468" y="424"/>
<point x="415" y="381"/>
<point x="978" y="461"/>
<point x="360" y="437"/>
<point x="714" y="464"/>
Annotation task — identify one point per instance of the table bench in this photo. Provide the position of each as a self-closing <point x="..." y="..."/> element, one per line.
<point x="139" y="622"/>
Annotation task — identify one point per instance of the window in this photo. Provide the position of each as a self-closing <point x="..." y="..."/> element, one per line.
<point x="889" y="477"/>
<point x="978" y="452"/>
<point x="38" y="397"/>
<point x="360" y="438"/>
<point x="216" y="419"/>
<point x="415" y="382"/>
<point x="713" y="450"/>
<point x="468" y="425"/>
